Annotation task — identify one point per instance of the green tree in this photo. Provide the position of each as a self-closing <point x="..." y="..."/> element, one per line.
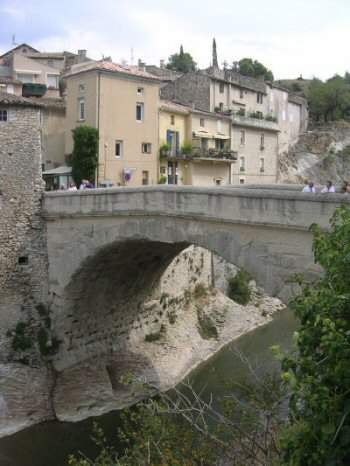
<point x="319" y="372"/>
<point x="254" y="68"/>
<point x="330" y="100"/>
<point x="84" y="157"/>
<point x="182" y="62"/>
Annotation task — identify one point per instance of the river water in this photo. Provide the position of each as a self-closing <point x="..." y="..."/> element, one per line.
<point x="50" y="443"/>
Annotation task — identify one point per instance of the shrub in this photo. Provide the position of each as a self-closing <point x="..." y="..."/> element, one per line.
<point x="238" y="288"/>
<point x="21" y="340"/>
<point x="162" y="180"/>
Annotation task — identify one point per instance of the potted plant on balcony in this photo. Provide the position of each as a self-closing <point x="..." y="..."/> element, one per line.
<point x="164" y="150"/>
<point x="186" y="149"/>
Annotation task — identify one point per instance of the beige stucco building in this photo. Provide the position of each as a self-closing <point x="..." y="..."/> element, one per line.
<point x="122" y="103"/>
<point x="195" y="146"/>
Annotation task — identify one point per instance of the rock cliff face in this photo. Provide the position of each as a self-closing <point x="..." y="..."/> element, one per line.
<point x="319" y="155"/>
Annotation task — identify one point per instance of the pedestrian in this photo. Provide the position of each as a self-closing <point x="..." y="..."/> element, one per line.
<point x="72" y="187"/>
<point x="309" y="187"/>
<point x="345" y="187"/>
<point x="329" y="188"/>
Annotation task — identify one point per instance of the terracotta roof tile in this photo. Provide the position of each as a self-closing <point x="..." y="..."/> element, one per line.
<point x="112" y="67"/>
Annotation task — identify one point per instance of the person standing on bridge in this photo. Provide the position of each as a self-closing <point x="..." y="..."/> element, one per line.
<point x="309" y="187"/>
<point x="329" y="188"/>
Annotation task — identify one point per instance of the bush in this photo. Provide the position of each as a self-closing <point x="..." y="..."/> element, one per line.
<point x="162" y="180"/>
<point x="21" y="340"/>
<point x="238" y="288"/>
<point x="319" y="371"/>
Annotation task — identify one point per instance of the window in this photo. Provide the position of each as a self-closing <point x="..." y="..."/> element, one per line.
<point x="139" y="111"/>
<point x="202" y="122"/>
<point x="218" y="181"/>
<point x="3" y="115"/>
<point x="284" y="115"/>
<point x="119" y="149"/>
<point x="52" y="80"/>
<point x="145" y="177"/>
<point x="221" y="107"/>
<point x="259" y="97"/>
<point x="163" y="171"/>
<point x="221" y="88"/>
<point x="219" y="144"/>
<point x="204" y="144"/>
<point x="262" y="141"/>
<point x="241" y="164"/>
<point x="241" y="93"/>
<point x="241" y="181"/>
<point x="81" y="88"/>
<point x="172" y="119"/>
<point x="140" y="91"/>
<point x="25" y="78"/>
<point x="81" y="111"/>
<point x="262" y="165"/>
<point x="50" y="63"/>
<point x="242" y="133"/>
<point x="219" y="126"/>
<point x="146" y="147"/>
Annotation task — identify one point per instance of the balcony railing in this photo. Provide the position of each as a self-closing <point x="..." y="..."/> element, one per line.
<point x="198" y="153"/>
<point x="255" y="120"/>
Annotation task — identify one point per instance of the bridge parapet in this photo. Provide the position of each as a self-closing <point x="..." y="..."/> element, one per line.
<point x="267" y="207"/>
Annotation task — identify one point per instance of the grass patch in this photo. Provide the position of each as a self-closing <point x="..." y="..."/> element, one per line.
<point x="238" y="288"/>
<point x="206" y="326"/>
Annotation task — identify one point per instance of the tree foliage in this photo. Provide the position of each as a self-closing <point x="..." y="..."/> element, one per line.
<point x="319" y="373"/>
<point x="84" y="157"/>
<point x="181" y="62"/>
<point x="330" y="100"/>
<point x="255" y="69"/>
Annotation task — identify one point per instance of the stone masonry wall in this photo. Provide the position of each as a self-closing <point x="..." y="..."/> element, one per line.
<point x="23" y="263"/>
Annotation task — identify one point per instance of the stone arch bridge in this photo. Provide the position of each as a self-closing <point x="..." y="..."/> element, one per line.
<point x="108" y="248"/>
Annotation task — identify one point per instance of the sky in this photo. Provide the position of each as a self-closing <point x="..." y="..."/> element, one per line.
<point x="299" y="37"/>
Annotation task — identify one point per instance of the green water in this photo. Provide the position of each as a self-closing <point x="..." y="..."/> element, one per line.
<point x="50" y="443"/>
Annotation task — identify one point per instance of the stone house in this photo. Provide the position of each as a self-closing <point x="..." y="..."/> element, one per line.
<point x="122" y="103"/>
<point x="195" y="146"/>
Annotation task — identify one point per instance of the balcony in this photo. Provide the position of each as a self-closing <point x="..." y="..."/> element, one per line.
<point x="217" y="155"/>
<point x="255" y="120"/>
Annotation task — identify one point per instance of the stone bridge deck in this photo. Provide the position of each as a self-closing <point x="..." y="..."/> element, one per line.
<point x="278" y="207"/>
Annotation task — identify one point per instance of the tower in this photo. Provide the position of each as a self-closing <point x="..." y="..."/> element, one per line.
<point x="215" y="55"/>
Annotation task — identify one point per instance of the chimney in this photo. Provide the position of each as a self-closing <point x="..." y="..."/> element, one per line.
<point x="81" y="55"/>
<point x="141" y="65"/>
<point x="162" y="64"/>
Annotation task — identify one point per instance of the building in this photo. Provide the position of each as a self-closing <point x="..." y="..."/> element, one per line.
<point x="265" y="119"/>
<point x="122" y="103"/>
<point x="28" y="72"/>
<point x="195" y="146"/>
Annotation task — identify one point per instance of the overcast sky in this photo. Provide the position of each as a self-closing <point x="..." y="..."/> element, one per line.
<point x="308" y="37"/>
